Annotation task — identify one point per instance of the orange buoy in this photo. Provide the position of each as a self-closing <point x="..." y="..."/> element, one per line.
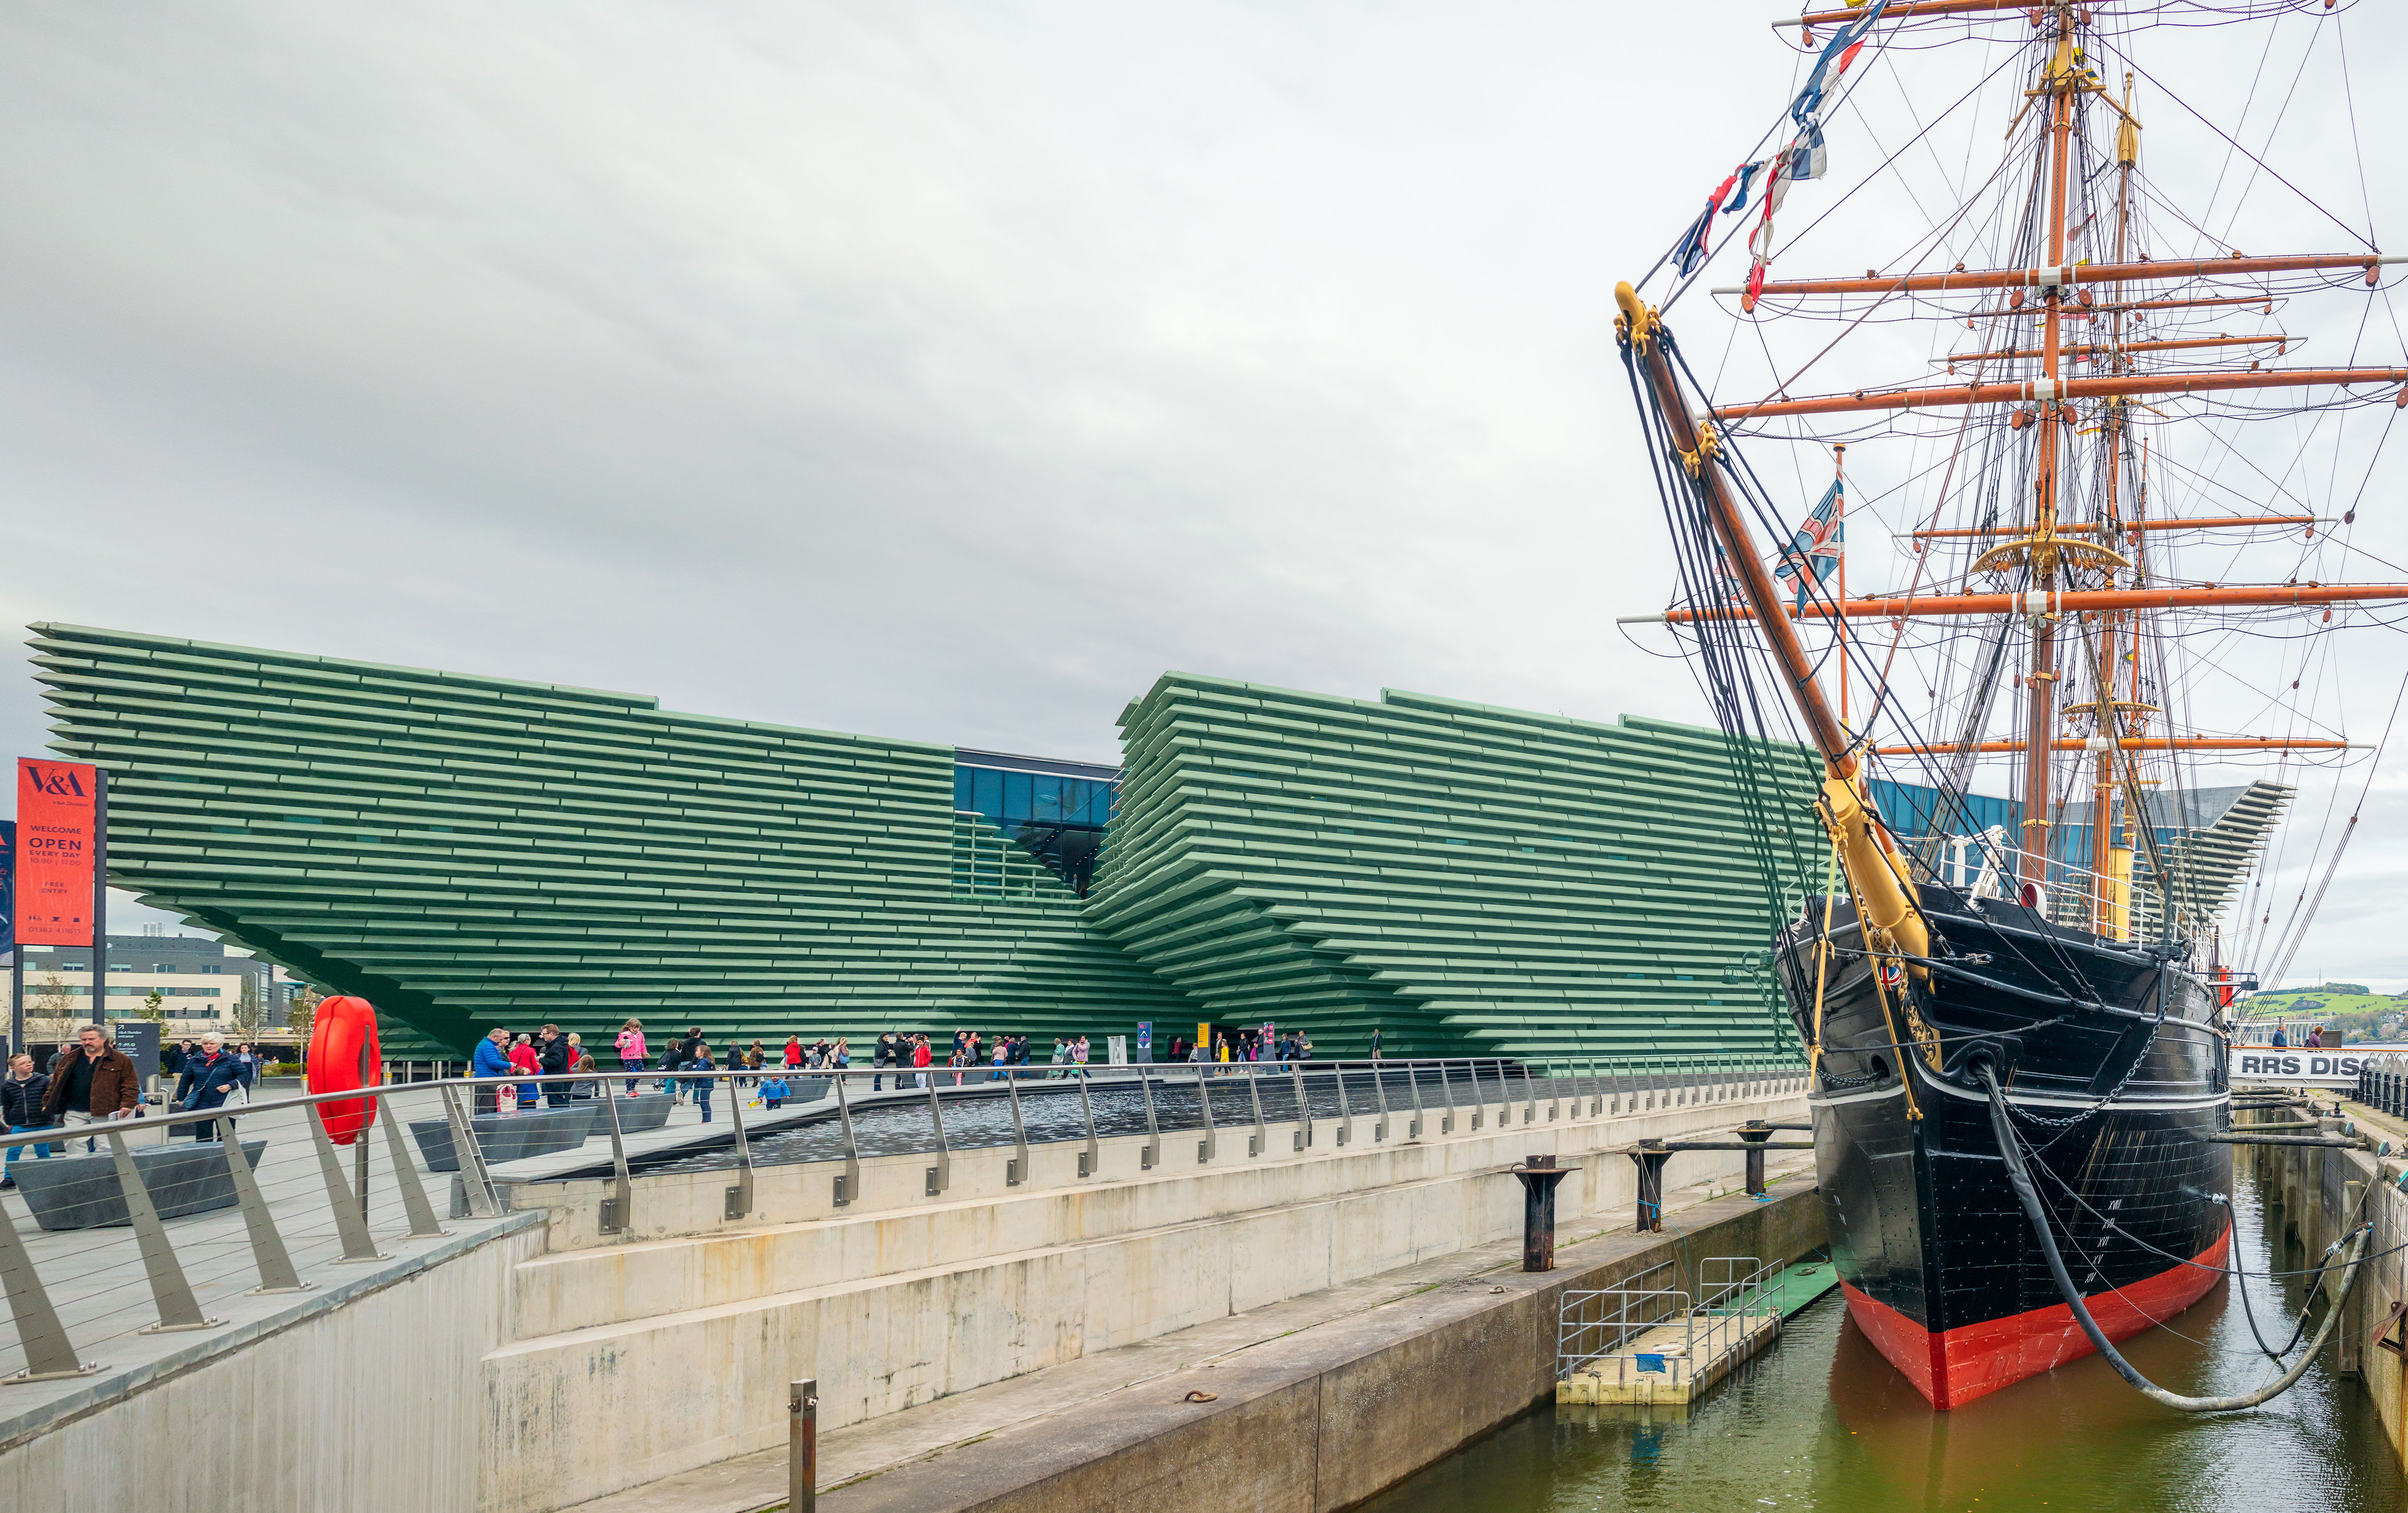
<point x="343" y="1055"/>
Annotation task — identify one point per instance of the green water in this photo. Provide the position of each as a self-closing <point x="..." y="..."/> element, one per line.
<point x="1822" y="1421"/>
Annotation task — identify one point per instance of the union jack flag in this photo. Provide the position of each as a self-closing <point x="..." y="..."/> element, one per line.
<point x="1817" y="546"/>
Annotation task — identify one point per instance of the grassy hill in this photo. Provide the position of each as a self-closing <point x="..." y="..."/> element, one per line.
<point x="2346" y="1006"/>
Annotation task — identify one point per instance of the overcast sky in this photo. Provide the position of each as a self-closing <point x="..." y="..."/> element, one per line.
<point x="942" y="372"/>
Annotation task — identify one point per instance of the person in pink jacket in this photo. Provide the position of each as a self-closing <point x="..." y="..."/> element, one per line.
<point x="633" y="1058"/>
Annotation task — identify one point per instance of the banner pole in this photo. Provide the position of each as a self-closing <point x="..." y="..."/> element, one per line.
<point x="99" y="894"/>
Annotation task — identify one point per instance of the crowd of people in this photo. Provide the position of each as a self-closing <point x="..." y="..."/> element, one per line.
<point x="89" y="1080"/>
<point x="909" y="1057"/>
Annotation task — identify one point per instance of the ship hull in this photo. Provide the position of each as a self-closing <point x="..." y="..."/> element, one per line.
<point x="2113" y="1103"/>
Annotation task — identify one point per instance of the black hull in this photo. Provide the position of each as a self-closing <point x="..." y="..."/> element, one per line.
<point x="1941" y="1267"/>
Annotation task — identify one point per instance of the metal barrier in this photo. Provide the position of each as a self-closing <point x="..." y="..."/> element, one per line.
<point x="1729" y="1304"/>
<point x="154" y="1227"/>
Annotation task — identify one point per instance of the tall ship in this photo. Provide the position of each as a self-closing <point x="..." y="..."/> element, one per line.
<point x="2117" y="503"/>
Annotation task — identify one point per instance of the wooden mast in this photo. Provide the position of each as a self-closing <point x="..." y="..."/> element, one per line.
<point x="2039" y="680"/>
<point x="2111" y="879"/>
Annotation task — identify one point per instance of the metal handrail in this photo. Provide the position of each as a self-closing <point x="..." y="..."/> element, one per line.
<point x="49" y="1353"/>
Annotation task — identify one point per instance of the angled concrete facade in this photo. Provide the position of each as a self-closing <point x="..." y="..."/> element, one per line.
<point x="1453" y="874"/>
<point x="466" y="851"/>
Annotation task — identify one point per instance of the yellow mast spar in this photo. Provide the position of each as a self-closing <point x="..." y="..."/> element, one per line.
<point x="1893" y="924"/>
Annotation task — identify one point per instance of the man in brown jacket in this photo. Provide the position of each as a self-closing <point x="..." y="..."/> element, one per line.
<point x="92" y="1081"/>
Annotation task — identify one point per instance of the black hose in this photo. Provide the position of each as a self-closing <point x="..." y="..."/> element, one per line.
<point x="2019" y="1177"/>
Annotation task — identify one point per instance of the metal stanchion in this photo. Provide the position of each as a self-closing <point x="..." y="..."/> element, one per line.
<point x="1261" y="1137"/>
<point x="1091" y="1159"/>
<point x="169" y="1292"/>
<point x="1303" y="1109"/>
<point x="1152" y="1155"/>
<point x="357" y="1245"/>
<point x="1445" y="1090"/>
<point x="405" y="1176"/>
<point x="740" y="1197"/>
<point x="940" y="1176"/>
<point x="618" y="1210"/>
<point x="1210" y="1145"/>
<point x="1380" y="1091"/>
<point x="1345" y="1114"/>
<point x="848" y="1185"/>
<point x="1016" y="1172"/>
<point x="268" y="1252"/>
<point x="474" y="1179"/>
<point x="50" y="1355"/>
<point x="803" y="1447"/>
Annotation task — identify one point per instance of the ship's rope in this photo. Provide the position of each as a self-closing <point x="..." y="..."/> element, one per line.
<point x="2019" y="1177"/>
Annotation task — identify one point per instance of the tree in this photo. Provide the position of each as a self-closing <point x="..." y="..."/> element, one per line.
<point x="250" y="1013"/>
<point x="154" y="1007"/>
<point x="302" y="1015"/>
<point x="50" y="1013"/>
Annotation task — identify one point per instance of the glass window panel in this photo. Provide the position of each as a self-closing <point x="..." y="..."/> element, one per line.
<point x="962" y="783"/>
<point x="990" y="793"/>
<point x="1016" y="798"/>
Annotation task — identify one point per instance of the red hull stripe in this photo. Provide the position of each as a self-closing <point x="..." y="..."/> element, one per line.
<point x="1957" y="1365"/>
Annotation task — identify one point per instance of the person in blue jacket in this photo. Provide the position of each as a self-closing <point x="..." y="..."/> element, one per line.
<point x="774" y="1092"/>
<point x="493" y="1059"/>
<point x="701" y="1087"/>
<point x="209" y="1074"/>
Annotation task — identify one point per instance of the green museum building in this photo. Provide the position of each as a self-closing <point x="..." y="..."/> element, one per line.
<point x="469" y="851"/>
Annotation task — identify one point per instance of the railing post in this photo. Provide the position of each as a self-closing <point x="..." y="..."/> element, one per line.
<point x="1303" y="1110"/>
<point x="50" y="1355"/>
<point x="1153" y="1153"/>
<point x="1529" y="1096"/>
<point x="268" y="1252"/>
<point x="1016" y="1172"/>
<point x="1261" y="1137"/>
<point x="1345" y="1114"/>
<point x="1210" y="1146"/>
<point x="1446" y="1090"/>
<point x="405" y="1176"/>
<point x="617" y="1215"/>
<point x="169" y="1292"/>
<point x="1413" y="1089"/>
<point x="1380" y="1091"/>
<point x="941" y="1177"/>
<point x="470" y="1157"/>
<point x="803" y="1447"/>
<point x="848" y="1185"/>
<point x="358" y="1246"/>
<point x="740" y="1197"/>
<point x="1092" y="1159"/>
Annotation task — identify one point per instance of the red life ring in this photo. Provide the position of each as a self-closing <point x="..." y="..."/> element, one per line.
<point x="343" y="1055"/>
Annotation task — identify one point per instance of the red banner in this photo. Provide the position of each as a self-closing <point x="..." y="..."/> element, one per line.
<point x="55" y="846"/>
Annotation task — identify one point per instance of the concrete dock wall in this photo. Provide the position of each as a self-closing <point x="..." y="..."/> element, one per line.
<point x="1323" y="1421"/>
<point x="360" y="1404"/>
<point x="677" y="1351"/>
<point x="2319" y="1190"/>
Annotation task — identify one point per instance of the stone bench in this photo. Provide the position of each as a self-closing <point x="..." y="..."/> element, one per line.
<point x="81" y="1192"/>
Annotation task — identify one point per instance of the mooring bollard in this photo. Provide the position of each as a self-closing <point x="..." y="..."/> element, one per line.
<point x="803" y="1446"/>
<point x="1651" y="1154"/>
<point x="1539" y="1176"/>
<point x="1756" y="1132"/>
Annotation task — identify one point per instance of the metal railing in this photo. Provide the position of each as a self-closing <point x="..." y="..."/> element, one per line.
<point x="2382" y="1085"/>
<point x="138" y="1227"/>
<point x="1730" y="1302"/>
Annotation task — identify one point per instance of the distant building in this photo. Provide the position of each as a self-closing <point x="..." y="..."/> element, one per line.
<point x="200" y="982"/>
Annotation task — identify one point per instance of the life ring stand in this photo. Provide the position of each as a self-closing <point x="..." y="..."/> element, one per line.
<point x="344" y="1053"/>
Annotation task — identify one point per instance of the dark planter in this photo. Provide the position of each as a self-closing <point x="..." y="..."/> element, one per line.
<point x="80" y="1192"/>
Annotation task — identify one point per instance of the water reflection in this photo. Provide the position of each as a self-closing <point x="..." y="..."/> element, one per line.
<point x="1822" y="1421"/>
